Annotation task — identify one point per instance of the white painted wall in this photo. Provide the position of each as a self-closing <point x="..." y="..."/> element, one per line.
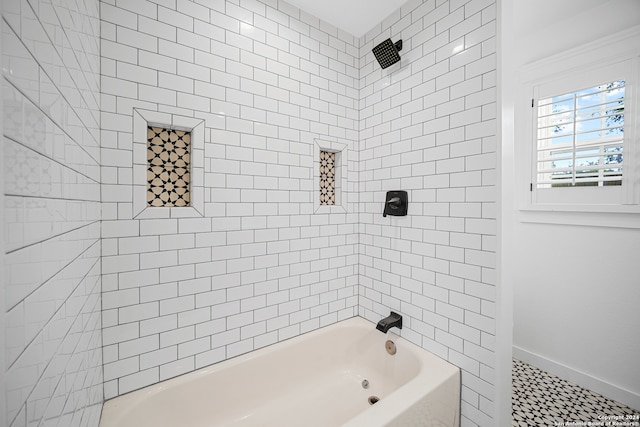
<point x="575" y="308"/>
<point x="505" y="169"/>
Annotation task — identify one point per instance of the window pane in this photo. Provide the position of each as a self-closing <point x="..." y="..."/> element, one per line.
<point x="580" y="137"/>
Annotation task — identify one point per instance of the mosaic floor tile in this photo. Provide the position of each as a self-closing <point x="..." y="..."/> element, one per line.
<point x="540" y="399"/>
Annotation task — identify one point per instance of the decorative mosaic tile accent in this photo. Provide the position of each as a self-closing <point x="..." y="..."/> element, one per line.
<point x="168" y="159"/>
<point x="327" y="178"/>
<point x="541" y="399"/>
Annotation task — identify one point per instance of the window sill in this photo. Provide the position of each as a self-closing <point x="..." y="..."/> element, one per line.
<point x="600" y="216"/>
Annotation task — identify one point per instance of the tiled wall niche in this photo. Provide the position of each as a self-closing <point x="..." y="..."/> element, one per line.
<point x="142" y="120"/>
<point x="340" y="179"/>
<point x="327" y="178"/>
<point x="168" y="167"/>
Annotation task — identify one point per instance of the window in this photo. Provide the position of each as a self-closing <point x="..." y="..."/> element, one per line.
<point x="577" y="152"/>
<point x="581" y="127"/>
<point x="580" y="137"/>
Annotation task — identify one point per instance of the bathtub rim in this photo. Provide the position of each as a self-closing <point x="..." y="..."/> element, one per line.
<point x="404" y="396"/>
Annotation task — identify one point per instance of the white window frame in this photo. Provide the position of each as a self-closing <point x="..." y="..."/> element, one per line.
<point x="608" y="59"/>
<point x="609" y="195"/>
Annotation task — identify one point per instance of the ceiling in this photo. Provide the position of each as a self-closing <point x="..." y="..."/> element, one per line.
<point x="356" y="17"/>
<point x="531" y="16"/>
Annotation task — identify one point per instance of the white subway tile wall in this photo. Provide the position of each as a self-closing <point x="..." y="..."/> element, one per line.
<point x="427" y="126"/>
<point x="268" y="79"/>
<point x="51" y="171"/>
<point x="261" y="266"/>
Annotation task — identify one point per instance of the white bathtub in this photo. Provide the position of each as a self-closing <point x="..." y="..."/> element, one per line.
<point x="314" y="380"/>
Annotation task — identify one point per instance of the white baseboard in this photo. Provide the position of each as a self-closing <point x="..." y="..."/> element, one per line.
<point x="582" y="379"/>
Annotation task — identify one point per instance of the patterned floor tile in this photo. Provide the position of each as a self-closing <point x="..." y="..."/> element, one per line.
<point x="540" y="399"/>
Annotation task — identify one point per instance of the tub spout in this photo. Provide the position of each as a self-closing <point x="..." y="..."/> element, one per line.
<point x="394" y="319"/>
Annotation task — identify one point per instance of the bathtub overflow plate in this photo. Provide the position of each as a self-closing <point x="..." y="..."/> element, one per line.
<point x="365" y="384"/>
<point x="391" y="347"/>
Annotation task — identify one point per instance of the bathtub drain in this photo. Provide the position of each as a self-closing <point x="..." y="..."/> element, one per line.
<point x="373" y="399"/>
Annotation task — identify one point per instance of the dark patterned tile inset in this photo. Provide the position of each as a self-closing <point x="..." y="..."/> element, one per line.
<point x="168" y="174"/>
<point x="327" y="178"/>
<point x="540" y="399"/>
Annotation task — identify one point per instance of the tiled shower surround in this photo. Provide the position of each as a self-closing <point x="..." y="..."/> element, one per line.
<point x="183" y="288"/>
<point x="261" y="266"/>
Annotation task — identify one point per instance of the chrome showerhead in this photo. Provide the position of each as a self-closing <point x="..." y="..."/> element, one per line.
<point x="387" y="52"/>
